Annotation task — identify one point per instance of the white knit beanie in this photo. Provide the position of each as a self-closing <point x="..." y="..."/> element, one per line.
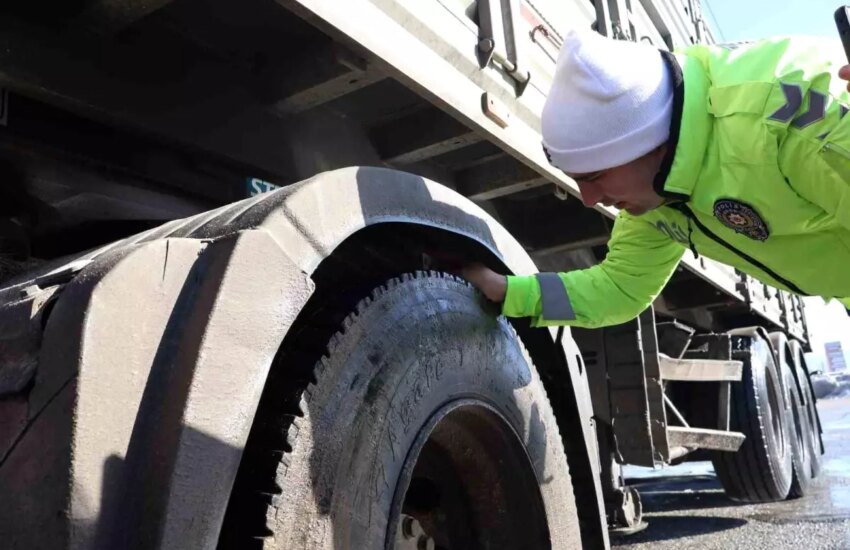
<point x="610" y="103"/>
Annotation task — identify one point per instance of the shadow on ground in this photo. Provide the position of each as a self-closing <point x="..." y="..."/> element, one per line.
<point x="679" y="527"/>
<point x="675" y="494"/>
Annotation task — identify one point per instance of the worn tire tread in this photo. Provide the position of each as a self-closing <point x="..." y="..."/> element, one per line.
<point x="298" y="393"/>
<point x="748" y="475"/>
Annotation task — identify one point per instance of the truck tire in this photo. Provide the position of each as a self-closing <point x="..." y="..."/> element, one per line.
<point x="761" y="470"/>
<point x="426" y="426"/>
<point x="795" y="417"/>
<point x="812" y="429"/>
<point x="800" y="445"/>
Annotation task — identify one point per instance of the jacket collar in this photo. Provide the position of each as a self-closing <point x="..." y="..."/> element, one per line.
<point x="690" y="128"/>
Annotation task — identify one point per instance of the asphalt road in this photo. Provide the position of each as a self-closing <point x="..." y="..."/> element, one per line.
<point x="685" y="506"/>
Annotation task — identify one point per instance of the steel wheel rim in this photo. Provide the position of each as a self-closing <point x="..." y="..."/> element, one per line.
<point x="424" y="511"/>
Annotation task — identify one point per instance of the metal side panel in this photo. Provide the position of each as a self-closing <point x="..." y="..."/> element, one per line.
<point x="793" y="316"/>
<point x="654" y="388"/>
<point x="764" y="300"/>
<point x="721" y="276"/>
<point x="636" y="396"/>
<point x="630" y="417"/>
<point x="443" y="67"/>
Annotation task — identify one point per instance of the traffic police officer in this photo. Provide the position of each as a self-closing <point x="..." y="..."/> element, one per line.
<point x="737" y="152"/>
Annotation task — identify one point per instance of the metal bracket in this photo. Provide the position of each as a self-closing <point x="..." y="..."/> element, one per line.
<point x="638" y="416"/>
<point x="700" y="370"/>
<point x="495" y="110"/>
<point x="622" y="504"/>
<point x="628" y="513"/>
<point x="612" y="19"/>
<point x="699" y="438"/>
<point x="499" y="39"/>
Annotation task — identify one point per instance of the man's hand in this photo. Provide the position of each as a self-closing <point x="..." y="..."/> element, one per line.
<point x="491" y="284"/>
<point x="844" y="74"/>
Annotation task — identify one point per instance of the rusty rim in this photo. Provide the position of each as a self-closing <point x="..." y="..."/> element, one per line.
<point x="467" y="482"/>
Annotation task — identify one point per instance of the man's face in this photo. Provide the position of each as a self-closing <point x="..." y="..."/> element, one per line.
<point x="628" y="187"/>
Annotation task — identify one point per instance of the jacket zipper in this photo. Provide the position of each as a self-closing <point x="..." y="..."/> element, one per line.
<point x="829" y="147"/>
<point x="685" y="209"/>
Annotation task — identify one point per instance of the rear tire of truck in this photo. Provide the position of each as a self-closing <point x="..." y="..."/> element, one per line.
<point x="812" y="420"/>
<point x="795" y="417"/>
<point x="426" y="426"/>
<point x="801" y="452"/>
<point x="761" y="470"/>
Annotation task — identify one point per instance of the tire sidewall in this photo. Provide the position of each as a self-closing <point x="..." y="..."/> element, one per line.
<point x="419" y="345"/>
<point x="795" y="417"/>
<point x="800" y="448"/>
<point x="765" y="367"/>
<point x="810" y="422"/>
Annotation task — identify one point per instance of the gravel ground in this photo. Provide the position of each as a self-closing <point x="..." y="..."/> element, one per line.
<point x="686" y="508"/>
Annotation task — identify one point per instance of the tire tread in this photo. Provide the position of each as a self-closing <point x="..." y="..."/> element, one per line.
<point x="748" y="474"/>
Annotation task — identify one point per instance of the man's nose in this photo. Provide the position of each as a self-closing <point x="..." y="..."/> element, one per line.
<point x="590" y="193"/>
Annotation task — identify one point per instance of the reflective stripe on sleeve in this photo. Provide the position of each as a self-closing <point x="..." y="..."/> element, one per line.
<point x="554" y="298"/>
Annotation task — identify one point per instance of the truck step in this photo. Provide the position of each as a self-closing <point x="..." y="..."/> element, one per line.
<point x="699" y="370"/>
<point x="699" y="438"/>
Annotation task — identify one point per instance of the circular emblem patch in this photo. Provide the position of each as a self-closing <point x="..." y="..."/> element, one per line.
<point x="742" y="218"/>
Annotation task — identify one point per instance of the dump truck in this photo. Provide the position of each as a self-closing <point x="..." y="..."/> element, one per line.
<point x="226" y="317"/>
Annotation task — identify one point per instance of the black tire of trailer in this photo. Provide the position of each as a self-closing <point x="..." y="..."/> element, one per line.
<point x="812" y="419"/>
<point x="761" y="470"/>
<point x="798" y="428"/>
<point x="417" y="347"/>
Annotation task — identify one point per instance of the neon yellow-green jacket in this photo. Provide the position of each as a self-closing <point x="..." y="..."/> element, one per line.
<point x="758" y="178"/>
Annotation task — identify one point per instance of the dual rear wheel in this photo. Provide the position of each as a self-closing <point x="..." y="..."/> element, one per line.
<point x="774" y="407"/>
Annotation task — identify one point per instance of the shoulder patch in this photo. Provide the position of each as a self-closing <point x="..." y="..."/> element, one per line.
<point x="741" y="218"/>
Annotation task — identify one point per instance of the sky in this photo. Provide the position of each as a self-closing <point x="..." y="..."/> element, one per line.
<point x="751" y="19"/>
<point x="734" y="20"/>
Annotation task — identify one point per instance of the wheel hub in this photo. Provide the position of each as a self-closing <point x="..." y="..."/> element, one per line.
<point x="467" y="482"/>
